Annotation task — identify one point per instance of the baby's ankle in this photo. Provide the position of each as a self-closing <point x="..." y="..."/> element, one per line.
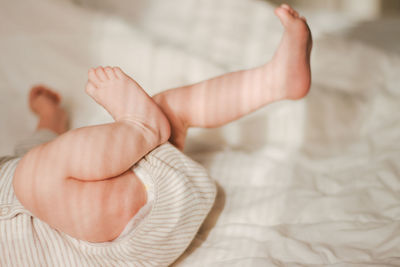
<point x="156" y="131"/>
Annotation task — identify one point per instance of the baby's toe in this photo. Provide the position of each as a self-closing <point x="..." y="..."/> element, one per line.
<point x="291" y="11"/>
<point x="101" y="74"/>
<point x="35" y="91"/>
<point x="44" y="90"/>
<point x="119" y="73"/>
<point x="54" y="95"/>
<point x="286" y="6"/>
<point x="93" y="77"/>
<point x="109" y="72"/>
<point x="284" y="15"/>
<point x="90" y="88"/>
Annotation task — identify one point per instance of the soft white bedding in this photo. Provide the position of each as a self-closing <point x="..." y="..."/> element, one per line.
<point x="313" y="182"/>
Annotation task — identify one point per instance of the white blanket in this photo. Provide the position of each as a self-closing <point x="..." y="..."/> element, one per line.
<point x="312" y="182"/>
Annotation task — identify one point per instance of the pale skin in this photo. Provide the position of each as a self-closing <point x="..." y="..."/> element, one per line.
<point x="81" y="183"/>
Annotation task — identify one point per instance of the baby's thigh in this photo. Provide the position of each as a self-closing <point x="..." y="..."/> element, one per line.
<point x="97" y="211"/>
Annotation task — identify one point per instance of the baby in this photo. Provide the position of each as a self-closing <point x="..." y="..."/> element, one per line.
<point x="128" y="181"/>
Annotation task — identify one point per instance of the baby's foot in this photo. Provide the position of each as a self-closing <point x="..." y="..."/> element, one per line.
<point x="290" y="66"/>
<point x="46" y="104"/>
<point x="125" y="100"/>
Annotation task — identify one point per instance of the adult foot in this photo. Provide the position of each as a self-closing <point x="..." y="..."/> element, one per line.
<point x="126" y="101"/>
<point x="45" y="103"/>
<point x="289" y="70"/>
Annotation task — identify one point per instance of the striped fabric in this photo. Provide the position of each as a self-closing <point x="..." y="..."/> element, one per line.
<point x="183" y="196"/>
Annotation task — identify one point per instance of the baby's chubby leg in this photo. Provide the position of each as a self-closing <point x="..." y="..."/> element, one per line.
<point x="104" y="151"/>
<point x="220" y="100"/>
<point x="61" y="181"/>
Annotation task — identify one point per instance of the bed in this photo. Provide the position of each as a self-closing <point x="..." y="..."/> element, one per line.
<point x="314" y="182"/>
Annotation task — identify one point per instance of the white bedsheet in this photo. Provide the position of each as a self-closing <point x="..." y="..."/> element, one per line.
<point x="312" y="182"/>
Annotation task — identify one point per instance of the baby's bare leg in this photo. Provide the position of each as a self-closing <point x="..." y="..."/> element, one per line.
<point x="104" y="151"/>
<point x="220" y="100"/>
<point x="82" y="176"/>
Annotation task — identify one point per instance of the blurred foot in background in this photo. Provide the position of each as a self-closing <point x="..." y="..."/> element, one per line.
<point x="45" y="103"/>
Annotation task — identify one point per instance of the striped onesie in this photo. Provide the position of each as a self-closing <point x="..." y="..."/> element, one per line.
<point x="182" y="196"/>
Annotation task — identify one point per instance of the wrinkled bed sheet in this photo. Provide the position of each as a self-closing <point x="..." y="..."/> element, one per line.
<point x="307" y="183"/>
